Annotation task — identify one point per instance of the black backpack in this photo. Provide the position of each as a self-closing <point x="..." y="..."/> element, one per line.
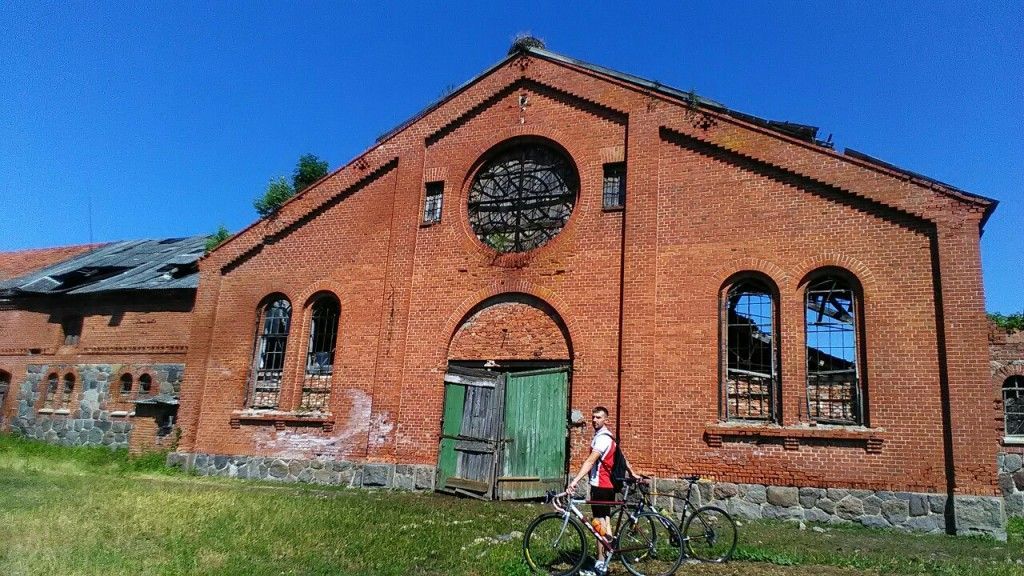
<point x="620" y="471"/>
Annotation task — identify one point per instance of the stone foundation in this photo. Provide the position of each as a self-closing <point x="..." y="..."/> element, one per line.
<point x="330" y="472"/>
<point x="1011" y="482"/>
<point x="876" y="509"/>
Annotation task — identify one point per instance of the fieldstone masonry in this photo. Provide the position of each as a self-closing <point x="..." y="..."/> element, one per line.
<point x="313" y="471"/>
<point x="876" y="509"/>
<point x="1011" y="482"/>
<point x="89" y="422"/>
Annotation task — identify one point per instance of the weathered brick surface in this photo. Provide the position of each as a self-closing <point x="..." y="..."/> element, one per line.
<point x="641" y="285"/>
<point x="121" y="333"/>
<point x="1007" y="360"/>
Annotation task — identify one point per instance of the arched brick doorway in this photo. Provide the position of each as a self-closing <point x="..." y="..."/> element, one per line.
<point x="506" y="397"/>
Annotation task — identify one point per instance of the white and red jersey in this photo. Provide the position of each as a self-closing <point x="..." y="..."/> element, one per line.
<point x="601" y="473"/>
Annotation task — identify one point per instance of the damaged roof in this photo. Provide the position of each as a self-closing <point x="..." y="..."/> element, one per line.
<point x="21" y="262"/>
<point x="129" y="265"/>
<point x="804" y="132"/>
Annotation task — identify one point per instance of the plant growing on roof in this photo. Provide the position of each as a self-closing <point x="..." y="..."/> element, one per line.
<point x="217" y="238"/>
<point x="308" y="170"/>
<point x="277" y="193"/>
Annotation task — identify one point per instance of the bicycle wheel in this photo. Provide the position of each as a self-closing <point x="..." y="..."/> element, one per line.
<point x="650" y="546"/>
<point x="554" y="546"/>
<point x="710" y="534"/>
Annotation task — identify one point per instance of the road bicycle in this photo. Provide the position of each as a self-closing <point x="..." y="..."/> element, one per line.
<point x="646" y="542"/>
<point x="709" y="533"/>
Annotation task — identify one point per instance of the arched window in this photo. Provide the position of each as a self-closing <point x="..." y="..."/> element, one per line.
<point x="68" y="392"/>
<point x="833" y="379"/>
<point x="145" y="384"/>
<point x="51" y="391"/>
<point x="751" y="378"/>
<point x="1013" y="406"/>
<point x="275" y="320"/>
<point x="126" y="385"/>
<point x="5" y="384"/>
<point x="323" y="335"/>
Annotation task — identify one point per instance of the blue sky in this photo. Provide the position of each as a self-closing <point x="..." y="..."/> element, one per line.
<point x="169" y="118"/>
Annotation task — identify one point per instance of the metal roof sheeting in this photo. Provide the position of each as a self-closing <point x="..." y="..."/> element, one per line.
<point x="130" y="265"/>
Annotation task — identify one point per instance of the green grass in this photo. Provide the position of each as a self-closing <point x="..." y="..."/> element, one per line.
<point x="86" y="511"/>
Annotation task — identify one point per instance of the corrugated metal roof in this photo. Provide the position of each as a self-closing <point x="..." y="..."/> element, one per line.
<point x="129" y="265"/>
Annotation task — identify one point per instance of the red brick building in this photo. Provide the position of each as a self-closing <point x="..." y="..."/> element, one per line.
<point x="93" y="341"/>
<point x="1007" y="354"/>
<point x="801" y="326"/>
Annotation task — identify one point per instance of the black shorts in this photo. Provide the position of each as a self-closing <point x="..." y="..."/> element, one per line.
<point x="603" y="495"/>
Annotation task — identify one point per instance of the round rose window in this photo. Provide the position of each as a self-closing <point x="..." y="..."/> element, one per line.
<point x="522" y="197"/>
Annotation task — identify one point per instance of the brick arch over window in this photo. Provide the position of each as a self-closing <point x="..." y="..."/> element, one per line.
<point x="753" y="266"/>
<point x="511" y="326"/>
<point x="851" y="266"/>
<point x="125" y="384"/>
<point x="145" y="383"/>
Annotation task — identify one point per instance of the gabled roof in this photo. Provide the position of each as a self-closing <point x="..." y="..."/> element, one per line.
<point x="379" y="157"/>
<point x="21" y="262"/>
<point x="799" y="131"/>
<point x="128" y="265"/>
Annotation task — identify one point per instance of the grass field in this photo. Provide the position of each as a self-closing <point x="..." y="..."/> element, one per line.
<point x="89" y="511"/>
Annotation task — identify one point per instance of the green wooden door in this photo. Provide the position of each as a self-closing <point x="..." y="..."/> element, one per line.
<point x="534" y="447"/>
<point x="470" y="432"/>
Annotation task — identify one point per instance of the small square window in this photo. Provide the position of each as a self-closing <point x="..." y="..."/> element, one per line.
<point x="614" y="185"/>
<point x="432" y="202"/>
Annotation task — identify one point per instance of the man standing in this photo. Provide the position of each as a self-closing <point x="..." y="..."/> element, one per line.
<point x="599" y="466"/>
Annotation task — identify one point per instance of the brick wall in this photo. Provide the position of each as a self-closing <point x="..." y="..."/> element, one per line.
<point x="1007" y="360"/>
<point x="705" y="201"/>
<point x="121" y="334"/>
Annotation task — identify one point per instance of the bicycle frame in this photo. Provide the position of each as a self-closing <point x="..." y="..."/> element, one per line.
<point x="610" y="544"/>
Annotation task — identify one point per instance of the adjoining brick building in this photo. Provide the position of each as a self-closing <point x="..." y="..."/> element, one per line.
<point x="1007" y="354"/>
<point x="804" y="327"/>
<point x="94" y="341"/>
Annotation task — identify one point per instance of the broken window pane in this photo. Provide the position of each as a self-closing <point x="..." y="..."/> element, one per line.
<point x="522" y="197"/>
<point x="751" y="374"/>
<point x="323" y="333"/>
<point x="69" y="391"/>
<point x="1013" y="405"/>
<point x="833" y="389"/>
<point x="275" y="321"/>
<point x="51" y="391"/>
